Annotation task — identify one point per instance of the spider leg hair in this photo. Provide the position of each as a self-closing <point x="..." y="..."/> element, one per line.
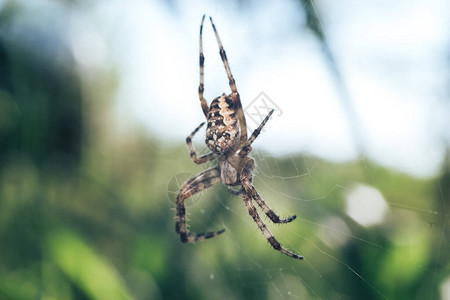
<point x="193" y="186"/>
<point x="193" y="154"/>
<point x="234" y="92"/>
<point x="201" y="87"/>
<point x="246" y="149"/>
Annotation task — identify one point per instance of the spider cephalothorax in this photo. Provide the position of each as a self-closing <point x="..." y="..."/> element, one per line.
<point x="226" y="137"/>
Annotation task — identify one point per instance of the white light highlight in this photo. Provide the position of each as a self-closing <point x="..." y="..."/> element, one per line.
<point x="445" y="289"/>
<point x="366" y="205"/>
<point x="335" y="232"/>
<point x="89" y="50"/>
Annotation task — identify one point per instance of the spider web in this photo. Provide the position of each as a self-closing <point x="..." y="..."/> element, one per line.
<point x="373" y="253"/>
<point x="332" y="242"/>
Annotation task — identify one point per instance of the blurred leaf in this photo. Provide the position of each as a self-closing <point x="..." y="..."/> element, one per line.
<point x="94" y="276"/>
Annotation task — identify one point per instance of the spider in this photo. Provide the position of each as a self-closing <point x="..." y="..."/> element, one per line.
<point x="226" y="137"/>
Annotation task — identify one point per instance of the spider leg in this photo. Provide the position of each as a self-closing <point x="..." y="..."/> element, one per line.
<point x="194" y="185"/>
<point x="201" y="87"/>
<point x="248" y="193"/>
<point x="234" y="95"/>
<point x="193" y="154"/>
<point x="247" y="146"/>
<point x="250" y="189"/>
<point x="268" y="235"/>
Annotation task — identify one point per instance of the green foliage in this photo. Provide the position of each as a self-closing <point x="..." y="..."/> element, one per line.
<point x="86" y="269"/>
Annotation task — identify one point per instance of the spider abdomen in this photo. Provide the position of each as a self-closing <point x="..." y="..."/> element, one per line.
<point x="222" y="133"/>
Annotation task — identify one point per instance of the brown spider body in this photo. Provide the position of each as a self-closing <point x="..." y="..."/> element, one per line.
<point x="222" y="132"/>
<point x="226" y="137"/>
<point x="231" y="167"/>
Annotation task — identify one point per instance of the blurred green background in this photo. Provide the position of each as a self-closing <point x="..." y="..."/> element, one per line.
<point x="86" y="206"/>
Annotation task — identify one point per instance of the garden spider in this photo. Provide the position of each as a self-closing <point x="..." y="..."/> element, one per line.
<point x="226" y="137"/>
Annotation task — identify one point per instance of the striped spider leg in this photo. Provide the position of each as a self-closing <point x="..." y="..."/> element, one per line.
<point x="193" y="186"/>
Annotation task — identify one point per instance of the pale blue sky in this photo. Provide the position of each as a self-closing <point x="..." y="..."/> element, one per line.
<point x="393" y="55"/>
